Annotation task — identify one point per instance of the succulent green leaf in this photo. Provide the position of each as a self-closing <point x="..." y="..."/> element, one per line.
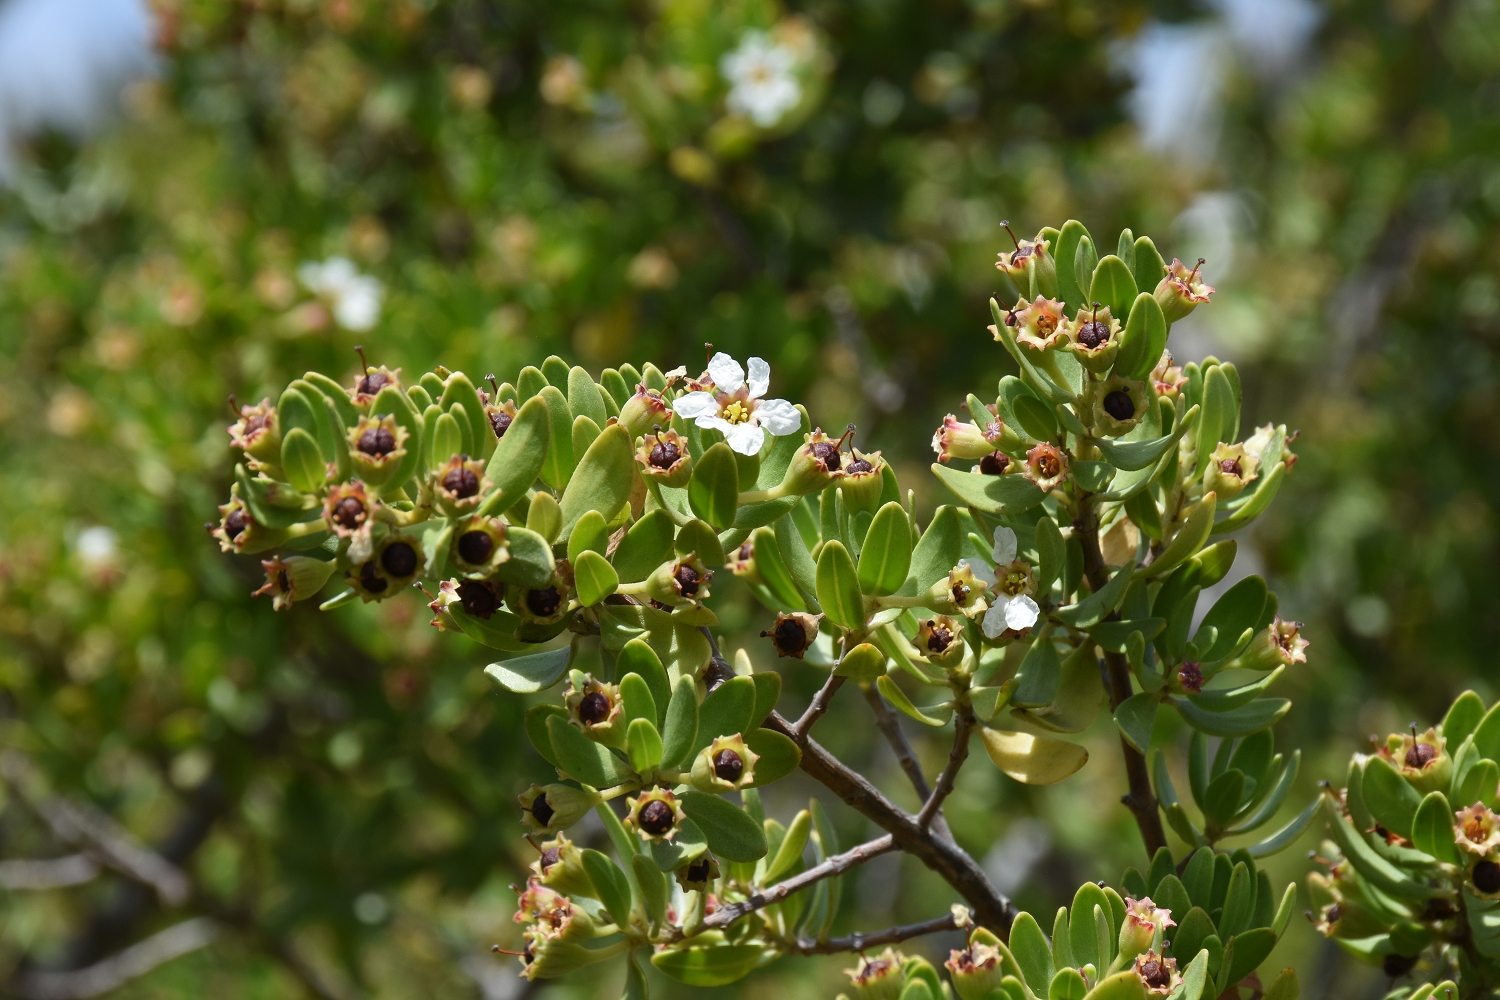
<point x="1039" y="674"/>
<point x="557" y="469"/>
<point x="699" y="537"/>
<point x="767" y="692"/>
<point x="643" y="746"/>
<point x="590" y="534"/>
<point x="580" y="756"/>
<point x="610" y="885"/>
<point x="789" y="851"/>
<point x="1487" y="734"/>
<point x="726" y="711"/>
<point x="1241" y="721"/>
<point x="1462" y="719"/>
<point x="732" y="833"/>
<point x="519" y="457"/>
<point x="536" y="729"/>
<point x="1113" y="286"/>
<point x="1036" y="418"/>
<point x="1392" y="800"/>
<point x="639" y="657"/>
<point x="1283" y="838"/>
<point x="1190" y="538"/>
<point x="1083" y="933"/>
<point x="1070" y="283"/>
<point x="838" y="586"/>
<point x="594" y="577"/>
<point x="798" y="560"/>
<point x="1131" y="456"/>
<point x="460" y="392"/>
<point x="1093" y="608"/>
<point x="1067" y="984"/>
<point x="885" y="558"/>
<point x="714" y="490"/>
<point x="937" y="551"/>
<point x="1251" y="947"/>
<point x="1285" y="986"/>
<point x="1145" y="331"/>
<point x="1030" y="759"/>
<point x="533" y="673"/>
<point x="1228" y="699"/>
<point x="1029" y="946"/>
<point x="898" y="698"/>
<point x="680" y="732"/>
<point x="773" y="571"/>
<point x="1149" y="268"/>
<point x="1380" y="872"/>
<point x="653" y="890"/>
<point x="583" y="397"/>
<point x="530" y="563"/>
<point x="1136" y="717"/>
<point x="637" y="699"/>
<point x="718" y="965"/>
<point x="1115" y="636"/>
<point x="1080" y="694"/>
<point x="302" y="461"/>
<point x="996" y="495"/>
<point x="646" y="545"/>
<point x="1120" y="986"/>
<point x="602" y="480"/>
<point x="779" y="755"/>
<point x="1258" y="502"/>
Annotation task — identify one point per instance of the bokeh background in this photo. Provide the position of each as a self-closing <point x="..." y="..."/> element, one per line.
<point x="495" y="181"/>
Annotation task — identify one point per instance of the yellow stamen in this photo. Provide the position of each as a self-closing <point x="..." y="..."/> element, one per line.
<point x="736" y="412"/>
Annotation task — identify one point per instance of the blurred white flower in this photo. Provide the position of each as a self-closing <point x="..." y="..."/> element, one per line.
<point x="1270" y="34"/>
<point x="760" y="79"/>
<point x="355" y="298"/>
<point x="63" y="63"/>
<point x="96" y="546"/>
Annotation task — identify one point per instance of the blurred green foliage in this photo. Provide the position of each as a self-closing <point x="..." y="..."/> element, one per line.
<point x="525" y="179"/>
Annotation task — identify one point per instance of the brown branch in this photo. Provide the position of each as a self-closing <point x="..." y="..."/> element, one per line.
<point x="820" y="703"/>
<point x="1141" y="799"/>
<point x="47" y="873"/>
<point x="963" y="725"/>
<point x="836" y="865"/>
<point x="116" y="970"/>
<point x="890" y="727"/>
<point x="891" y="935"/>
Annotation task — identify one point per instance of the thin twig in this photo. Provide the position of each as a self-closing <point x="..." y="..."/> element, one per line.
<point x="963" y="725"/>
<point x="820" y="703"/>
<point x="890" y="727"/>
<point x="990" y="907"/>
<point x="891" y="935"/>
<point x="18" y="874"/>
<point x="120" y="968"/>
<point x="836" y="865"/>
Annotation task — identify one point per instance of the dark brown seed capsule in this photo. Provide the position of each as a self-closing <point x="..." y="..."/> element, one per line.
<point x="827" y="453"/>
<point x="1155" y="974"/>
<point x="664" y="454"/>
<point x="377" y="441"/>
<point x="475" y="547"/>
<point x="236" y="522"/>
<point x="1190" y="676"/>
<point x="593" y="708"/>
<point x="728" y="765"/>
<point x="788" y="637"/>
<point x="347" y="512"/>
<point x="371" y="580"/>
<point x="994" y="464"/>
<point x="655" y="817"/>
<point x="500" y="422"/>
<point x="1486" y="876"/>
<point x="1093" y="333"/>
<point x="461" y="482"/>
<point x="544" y="602"/>
<point x="860" y="465"/>
<point x="1232" y="467"/>
<point x="1333" y="913"/>
<point x="699" y="871"/>
<point x="550" y="857"/>
<point x="542" y="810"/>
<point x="372" y="383"/>
<point x="399" y="559"/>
<point x="478" y="599"/>
<point x="1420" y="754"/>
<point x="941" y="638"/>
<point x="1119" y="405"/>
<point x="687" y="580"/>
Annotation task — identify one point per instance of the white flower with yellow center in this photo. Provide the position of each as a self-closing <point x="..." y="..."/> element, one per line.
<point x="1011" y="581"/>
<point x="354" y="298"/>
<point x="735" y="408"/>
<point x="761" y="82"/>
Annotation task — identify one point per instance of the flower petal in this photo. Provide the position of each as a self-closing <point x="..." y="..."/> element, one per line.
<point x="714" y="422"/>
<point x="1005" y="546"/>
<point x="760" y="377"/>
<point x="726" y="372"/>
<point x="778" y="416"/>
<point x="745" y="438"/>
<point x="695" y="404"/>
<point x="980" y="571"/>
<point x="994" y="622"/>
<point x="1021" y="613"/>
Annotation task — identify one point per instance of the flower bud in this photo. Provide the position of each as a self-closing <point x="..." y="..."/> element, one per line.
<point x="547" y="809"/>
<point x="1144" y="923"/>
<point x="479" y="546"/>
<point x="699" y="874"/>
<point x="863" y="481"/>
<point x="258" y="433"/>
<point x="878" y="978"/>
<point x="815" y="465"/>
<point x="1119" y="404"/>
<point x="560" y="868"/>
<point x="655" y="815"/>
<point x="595" y="707"/>
<point x="940" y="639"/>
<point x="459" y="485"/>
<point x="684" y="581"/>
<point x="542" y="605"/>
<point x="644" y="410"/>
<point x="293" y="579"/>
<point x="1229" y="470"/>
<point x="1421" y="758"/>
<point x="725" y="765"/>
<point x="1094" y="337"/>
<point x="376" y="447"/>
<point x="1047" y="466"/>
<point x="960" y="592"/>
<point x="976" y="970"/>
<point x="369" y="384"/>
<point x="1038" y="325"/>
<point x="1158" y="974"/>
<point x="1477" y="829"/>
<point x="663" y="458"/>
<point x="1013" y="264"/>
<point x="1181" y="291"/>
<point x="793" y="633"/>
<point x="1280" y="644"/>
<point x="965" y="439"/>
<point x="1269" y="445"/>
<point x="500" y="416"/>
<point x="742" y="562"/>
<point x="1167" y="379"/>
<point x="348" y="507"/>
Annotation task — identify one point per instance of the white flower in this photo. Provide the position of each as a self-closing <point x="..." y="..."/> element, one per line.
<point x="735" y="407"/>
<point x="760" y="78"/>
<point x="355" y="297"/>
<point x="1012" y="606"/>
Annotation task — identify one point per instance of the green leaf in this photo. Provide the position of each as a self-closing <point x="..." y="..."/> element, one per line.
<point x="1115" y="636"/>
<point x="1149" y="267"/>
<point x="602" y="480"/>
<point x="937" y="551"/>
<point x="1145" y="328"/>
<point x="610" y="885"/>
<point x="1131" y="456"/>
<point x="519" y="456"/>
<point x="767" y="691"/>
<point x="1083" y="933"/>
<point x="643" y="746"/>
<point x="559" y="462"/>
<point x="1237" y="610"/>
<point x="536" y="729"/>
<point x="1283" y="838"/>
<point x="637" y="699"/>
<point x="1189" y="539"/>
<point x="460" y="392"/>
<point x="1029" y="946"/>
<point x="1136" y="718"/>
<point x="580" y="756"/>
<point x="699" y="537"/>
<point x="1251" y="948"/>
<point x="1487" y="734"/>
<point x="590" y="534"/>
<point x="1239" y="903"/>
<point x="1039" y="674"/>
<point x="885" y="558"/>
<point x="1380" y="872"/>
<point x="1069" y="284"/>
<point x="530" y="674"/>
<point x="1241" y="721"/>
<point x="1113" y="286"/>
<point x="638" y="657"/>
<point x="1392" y="800"/>
<point x="1120" y="986"/>
<point x="654" y="889"/>
<point x="838" y="586"/>
<point x="718" y="965"/>
<point x="1080" y="693"/>
<point x="726" y="711"/>
<point x="1095" y="607"/>
<point x="646" y="545"/>
<point x="779" y="755"/>
<point x="997" y="495"/>
<point x="1259" y="501"/>
<point x="583" y="397"/>
<point x="797" y="558"/>
<point x="302" y="461"/>
<point x="1032" y="760"/>
<point x="1228" y="699"/>
<point x="686" y="845"/>
<point x="731" y="832"/>
<point x="1463" y="718"/>
<point x="594" y="577"/>
<point x="680" y="732"/>
<point x="898" y="698"/>
<point x="773" y="570"/>
<point x="1220" y="412"/>
<point x="1036" y="418"/>
<point x="862" y="664"/>
<point x="530" y="563"/>
<point x="789" y="852"/>
<point x="1285" y="986"/>
<point x="1067" y="984"/>
<point x="713" y="492"/>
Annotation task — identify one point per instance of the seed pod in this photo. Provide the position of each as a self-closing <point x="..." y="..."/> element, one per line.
<point x="725" y="765"/>
<point x="376" y="448"/>
<point x="595" y="708"/>
<point x="1119" y="404"/>
<point x="699" y="874"/>
<point x="1181" y="291"/>
<point x="459" y="485"/>
<point x="655" y="815"/>
<point x="560" y="868"/>
<point x="815" y="465"/>
<point x="550" y="808"/>
<point x="1094" y="337"/>
<point x="258" y="433"/>
<point x="793" y="633"/>
<point x="293" y="579"/>
<point x="683" y="581"/>
<point x="479" y="546"/>
<point x="1229" y="470"/>
<point x="663" y="457"/>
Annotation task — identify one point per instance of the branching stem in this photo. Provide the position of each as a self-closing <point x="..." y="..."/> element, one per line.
<point x="891" y="935"/>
